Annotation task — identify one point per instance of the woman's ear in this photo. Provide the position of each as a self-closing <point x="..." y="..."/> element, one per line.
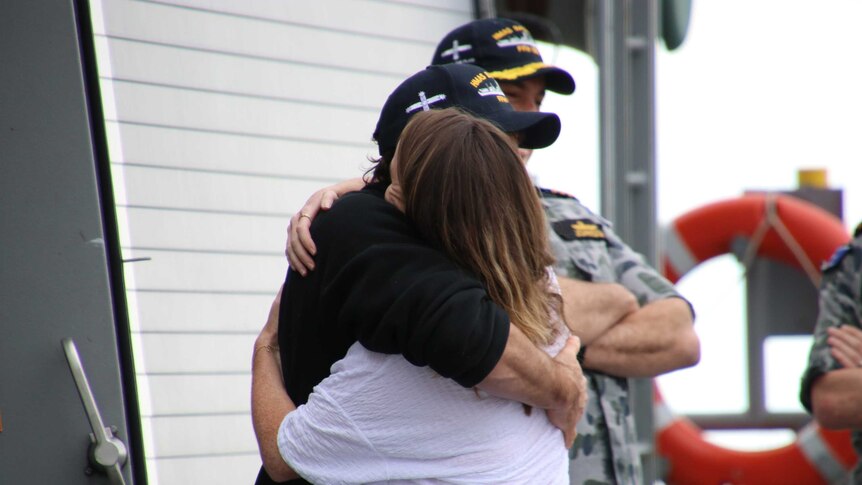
<point x="394" y="196"/>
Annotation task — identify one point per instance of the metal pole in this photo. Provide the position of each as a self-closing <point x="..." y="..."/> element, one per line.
<point x="607" y="101"/>
<point x="626" y="61"/>
<point x="483" y="9"/>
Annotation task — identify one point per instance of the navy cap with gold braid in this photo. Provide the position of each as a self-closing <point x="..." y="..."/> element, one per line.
<point x="505" y="49"/>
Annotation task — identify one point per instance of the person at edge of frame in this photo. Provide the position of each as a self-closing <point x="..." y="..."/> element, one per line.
<point x="831" y="387"/>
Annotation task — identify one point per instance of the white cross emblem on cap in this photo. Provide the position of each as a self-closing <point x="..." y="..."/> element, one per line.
<point x="456" y="50"/>
<point x="425" y="103"/>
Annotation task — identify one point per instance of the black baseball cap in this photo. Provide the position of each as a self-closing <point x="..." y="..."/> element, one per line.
<point x="472" y="90"/>
<point x="505" y="49"/>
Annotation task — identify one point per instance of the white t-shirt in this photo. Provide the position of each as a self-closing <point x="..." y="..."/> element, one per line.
<point x="378" y="418"/>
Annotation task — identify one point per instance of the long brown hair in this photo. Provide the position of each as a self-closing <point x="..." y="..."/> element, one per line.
<point x="465" y="188"/>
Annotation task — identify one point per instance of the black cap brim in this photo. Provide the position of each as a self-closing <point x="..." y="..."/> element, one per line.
<point x="538" y="130"/>
<point x="558" y="80"/>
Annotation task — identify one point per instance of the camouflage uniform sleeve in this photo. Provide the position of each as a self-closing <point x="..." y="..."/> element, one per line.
<point x="840" y="304"/>
<point x="634" y="273"/>
<point x="606" y="449"/>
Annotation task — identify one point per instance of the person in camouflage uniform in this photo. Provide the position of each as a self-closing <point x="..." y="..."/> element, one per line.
<point x="587" y="250"/>
<point x="832" y="383"/>
<point x="631" y="318"/>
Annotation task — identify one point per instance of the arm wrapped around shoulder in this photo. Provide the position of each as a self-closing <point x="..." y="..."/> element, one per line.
<point x="407" y="298"/>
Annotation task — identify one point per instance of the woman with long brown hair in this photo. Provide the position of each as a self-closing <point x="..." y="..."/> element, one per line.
<point x="380" y="418"/>
<point x="461" y="181"/>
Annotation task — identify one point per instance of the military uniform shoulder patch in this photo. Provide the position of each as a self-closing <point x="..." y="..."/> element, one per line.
<point x="551" y="193"/>
<point x="571" y="229"/>
<point x="836" y="258"/>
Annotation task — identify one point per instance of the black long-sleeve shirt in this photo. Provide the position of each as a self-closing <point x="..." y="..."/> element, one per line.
<point x="377" y="282"/>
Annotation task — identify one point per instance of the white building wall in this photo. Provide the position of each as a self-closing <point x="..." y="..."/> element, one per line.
<point x="223" y="117"/>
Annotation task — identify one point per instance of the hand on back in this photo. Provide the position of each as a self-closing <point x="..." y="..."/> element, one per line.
<point x="575" y="385"/>
<point x="300" y="248"/>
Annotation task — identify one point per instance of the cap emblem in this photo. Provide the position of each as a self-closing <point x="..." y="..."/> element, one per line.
<point x="491" y="89"/>
<point x="424" y="102"/>
<point x="487" y="86"/>
<point x="455" y="51"/>
<point x="516" y="36"/>
<point x="524" y="39"/>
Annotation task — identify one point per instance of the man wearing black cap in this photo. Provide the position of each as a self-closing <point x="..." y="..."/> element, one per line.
<point x="377" y="282"/>
<point x="626" y="313"/>
<point x="631" y="319"/>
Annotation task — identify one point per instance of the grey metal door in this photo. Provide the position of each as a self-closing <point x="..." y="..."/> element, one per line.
<point x="59" y="264"/>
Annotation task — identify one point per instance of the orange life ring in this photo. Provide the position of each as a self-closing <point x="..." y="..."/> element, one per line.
<point x="818" y="455"/>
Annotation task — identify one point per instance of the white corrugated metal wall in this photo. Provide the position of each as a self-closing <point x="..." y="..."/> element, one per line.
<point x="223" y="116"/>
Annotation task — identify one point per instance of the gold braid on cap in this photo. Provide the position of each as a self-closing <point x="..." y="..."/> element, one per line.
<point x="518" y="72"/>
